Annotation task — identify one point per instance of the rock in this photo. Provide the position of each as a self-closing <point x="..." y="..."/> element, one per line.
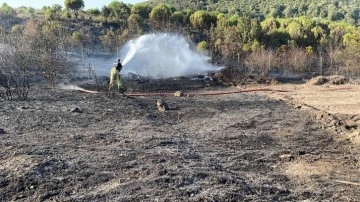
<point x="2" y="131"/>
<point x="23" y="107"/>
<point x="178" y="94"/>
<point x="300" y="152"/>
<point x="356" y="118"/>
<point x="162" y="105"/>
<point x="286" y="157"/>
<point x="349" y="124"/>
<point x="319" y="115"/>
<point x="76" y="110"/>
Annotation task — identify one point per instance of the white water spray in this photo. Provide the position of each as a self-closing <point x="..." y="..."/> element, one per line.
<point x="163" y="56"/>
<point x="70" y="87"/>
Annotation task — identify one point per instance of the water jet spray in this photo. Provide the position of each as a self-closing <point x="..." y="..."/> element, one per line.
<point x="163" y="56"/>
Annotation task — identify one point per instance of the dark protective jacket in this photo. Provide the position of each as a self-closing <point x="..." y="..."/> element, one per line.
<point x="118" y="66"/>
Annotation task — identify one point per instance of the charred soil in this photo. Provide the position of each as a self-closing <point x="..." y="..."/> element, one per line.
<point x="68" y="145"/>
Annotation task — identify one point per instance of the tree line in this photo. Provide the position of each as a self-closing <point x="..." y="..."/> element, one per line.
<point x="334" y="10"/>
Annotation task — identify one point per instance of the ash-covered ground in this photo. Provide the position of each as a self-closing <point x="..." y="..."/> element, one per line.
<point x="67" y="145"/>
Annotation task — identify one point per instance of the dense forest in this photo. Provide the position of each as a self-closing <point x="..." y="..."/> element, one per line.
<point x="261" y="38"/>
<point x="347" y="10"/>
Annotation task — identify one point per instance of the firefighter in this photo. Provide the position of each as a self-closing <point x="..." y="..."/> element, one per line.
<point x="115" y="75"/>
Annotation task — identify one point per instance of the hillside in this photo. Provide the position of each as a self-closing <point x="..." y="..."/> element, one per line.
<point x="327" y="9"/>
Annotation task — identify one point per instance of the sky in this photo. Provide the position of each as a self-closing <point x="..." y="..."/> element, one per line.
<point x="39" y="4"/>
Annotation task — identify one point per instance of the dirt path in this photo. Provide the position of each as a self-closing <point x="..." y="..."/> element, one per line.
<point x="334" y="99"/>
<point x="240" y="147"/>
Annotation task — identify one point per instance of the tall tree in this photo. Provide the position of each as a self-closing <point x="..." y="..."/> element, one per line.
<point x="160" y="15"/>
<point x="142" y="10"/>
<point x="119" y="10"/>
<point x="74" y="5"/>
<point x="202" y="20"/>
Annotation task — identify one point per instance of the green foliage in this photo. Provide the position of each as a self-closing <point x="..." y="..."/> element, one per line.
<point x="94" y="11"/>
<point x="269" y="25"/>
<point x="74" y="5"/>
<point x="16" y="29"/>
<point x="5" y="9"/>
<point x="335" y="10"/>
<point x="233" y="20"/>
<point x="202" y="46"/>
<point x="105" y="11"/>
<point x="78" y="36"/>
<point x="160" y="13"/>
<point x="202" y="20"/>
<point x="30" y="11"/>
<point x="119" y="10"/>
<point x="49" y="14"/>
<point x="135" y="22"/>
<point x="142" y="10"/>
<point x="177" y="18"/>
<point x="66" y="14"/>
<point x="54" y="12"/>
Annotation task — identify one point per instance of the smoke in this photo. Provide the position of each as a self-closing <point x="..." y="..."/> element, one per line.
<point x="163" y="56"/>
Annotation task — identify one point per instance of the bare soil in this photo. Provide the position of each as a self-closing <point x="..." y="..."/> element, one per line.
<point x="67" y="145"/>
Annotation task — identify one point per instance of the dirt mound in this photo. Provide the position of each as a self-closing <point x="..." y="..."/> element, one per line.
<point x="334" y="79"/>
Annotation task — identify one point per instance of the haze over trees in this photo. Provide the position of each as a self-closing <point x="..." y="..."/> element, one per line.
<point x="257" y="38"/>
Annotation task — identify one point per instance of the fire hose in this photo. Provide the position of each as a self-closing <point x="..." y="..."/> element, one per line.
<point x="141" y="94"/>
<point x="191" y="94"/>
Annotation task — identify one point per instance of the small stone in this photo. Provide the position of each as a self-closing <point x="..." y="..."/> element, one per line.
<point x="76" y="110"/>
<point x="178" y="94"/>
<point x="23" y="107"/>
<point x="301" y="152"/>
<point x="356" y="118"/>
<point x="351" y="123"/>
<point x="287" y="157"/>
<point x="2" y="131"/>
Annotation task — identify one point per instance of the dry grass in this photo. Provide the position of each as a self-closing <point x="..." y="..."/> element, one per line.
<point x="355" y="137"/>
<point x="17" y="165"/>
<point x="305" y="172"/>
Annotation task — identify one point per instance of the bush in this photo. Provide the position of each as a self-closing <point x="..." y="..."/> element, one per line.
<point x="202" y="47"/>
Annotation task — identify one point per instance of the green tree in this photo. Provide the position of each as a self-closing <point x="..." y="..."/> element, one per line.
<point x="94" y="11"/>
<point x="142" y="10"/>
<point x="351" y="54"/>
<point x="135" y="23"/>
<point x="53" y="12"/>
<point x="5" y="9"/>
<point x="119" y="10"/>
<point x="202" y="20"/>
<point x="295" y="30"/>
<point x="105" y="11"/>
<point x="74" y="5"/>
<point x="269" y="25"/>
<point x="160" y="15"/>
<point x="177" y="18"/>
<point x="249" y="31"/>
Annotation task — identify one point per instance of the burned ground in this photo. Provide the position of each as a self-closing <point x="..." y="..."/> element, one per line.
<point x="236" y="147"/>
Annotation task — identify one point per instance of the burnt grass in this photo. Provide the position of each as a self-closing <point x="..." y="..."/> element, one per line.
<point x="205" y="148"/>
